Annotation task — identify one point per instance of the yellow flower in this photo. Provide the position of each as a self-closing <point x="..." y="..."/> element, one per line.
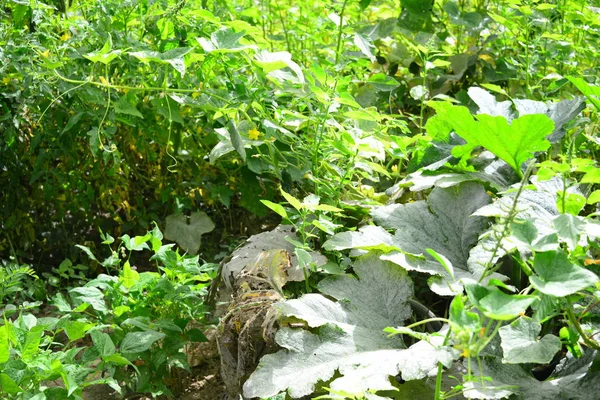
<point x="6" y="80"/>
<point x="103" y="80"/>
<point x="65" y="37"/>
<point x="46" y="53"/>
<point x="254" y="134"/>
<point x="395" y="169"/>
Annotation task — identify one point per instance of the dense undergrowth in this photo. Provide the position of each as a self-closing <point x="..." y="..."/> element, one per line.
<point x="442" y="153"/>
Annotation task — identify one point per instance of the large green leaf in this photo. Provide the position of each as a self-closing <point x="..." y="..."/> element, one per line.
<point x="556" y="275"/>
<point x="572" y="379"/>
<point x="32" y="343"/>
<point x="444" y="224"/>
<point x="347" y="337"/>
<point x="225" y="40"/>
<point x="560" y="112"/>
<point x="90" y="295"/>
<point x="569" y="228"/>
<point x="514" y="143"/>
<point x="103" y="343"/>
<point x="137" y="342"/>
<point x="368" y="237"/>
<point x="520" y="343"/>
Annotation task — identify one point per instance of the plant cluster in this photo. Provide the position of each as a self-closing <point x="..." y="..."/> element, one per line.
<point x="126" y="329"/>
<point x="442" y="155"/>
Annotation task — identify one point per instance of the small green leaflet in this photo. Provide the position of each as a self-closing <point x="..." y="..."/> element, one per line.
<point x="275" y="207"/>
<point x="32" y="343"/>
<point x="130" y="276"/>
<point x="4" y="344"/>
<point x="8" y="385"/>
<point x="496" y="304"/>
<point x="591" y="92"/>
<point x="514" y="143"/>
<point x="104" y="55"/>
<point x="77" y="329"/>
<point x="125" y="106"/>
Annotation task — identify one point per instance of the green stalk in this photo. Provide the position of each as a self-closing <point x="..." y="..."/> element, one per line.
<point x="340" y="32"/>
<point x="573" y="319"/>
<point x="506" y="226"/>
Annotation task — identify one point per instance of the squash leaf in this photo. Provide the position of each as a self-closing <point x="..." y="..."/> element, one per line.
<point x="514" y="143"/>
<point x="347" y="336"/>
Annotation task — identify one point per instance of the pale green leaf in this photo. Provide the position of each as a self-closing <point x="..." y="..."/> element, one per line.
<point x="225" y="40"/>
<point x="270" y="62"/>
<point x="88" y="295"/>
<point x="368" y="237"/>
<point x="556" y="275"/>
<point x="188" y="236"/>
<point x="443" y="223"/>
<point x="520" y="343"/>
<point x="348" y="337"/>
<point x="294" y="202"/>
<point x="569" y="228"/>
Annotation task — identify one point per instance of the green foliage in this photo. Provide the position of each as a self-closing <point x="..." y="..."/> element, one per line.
<point x="138" y="323"/>
<point x="453" y="139"/>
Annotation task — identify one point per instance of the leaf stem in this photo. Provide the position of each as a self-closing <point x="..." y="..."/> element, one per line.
<point x="573" y="319"/>
<point x="340" y="32"/>
<point x="145" y="89"/>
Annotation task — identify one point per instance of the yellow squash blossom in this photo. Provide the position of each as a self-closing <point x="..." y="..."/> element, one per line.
<point x="254" y="134"/>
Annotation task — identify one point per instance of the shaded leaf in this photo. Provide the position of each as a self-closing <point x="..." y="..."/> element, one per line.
<point x="137" y="342"/>
<point x="188" y="236"/>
